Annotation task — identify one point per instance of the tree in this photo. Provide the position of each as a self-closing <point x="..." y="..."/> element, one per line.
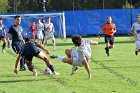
<point x="3" y="5"/>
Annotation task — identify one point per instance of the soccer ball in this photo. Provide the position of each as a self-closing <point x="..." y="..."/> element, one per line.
<point x="47" y="71"/>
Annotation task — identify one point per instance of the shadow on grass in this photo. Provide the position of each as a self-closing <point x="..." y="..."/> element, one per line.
<point x="71" y="44"/>
<point x="14" y="81"/>
<point x="61" y="44"/>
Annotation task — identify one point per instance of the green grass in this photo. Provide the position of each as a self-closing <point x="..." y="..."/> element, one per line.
<point x="118" y="73"/>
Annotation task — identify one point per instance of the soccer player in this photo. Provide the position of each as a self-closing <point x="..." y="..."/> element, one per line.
<point x="28" y="51"/>
<point x="135" y="30"/>
<point x="49" y="30"/>
<point x="2" y="35"/>
<point x="80" y="56"/>
<point x="110" y="29"/>
<point x="39" y="28"/>
<point x="43" y="21"/>
<point x="17" y="40"/>
<point x="33" y="30"/>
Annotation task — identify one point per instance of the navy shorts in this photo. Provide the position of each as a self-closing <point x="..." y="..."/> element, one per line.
<point x="109" y="39"/>
<point x="17" y="46"/>
<point x="28" y="55"/>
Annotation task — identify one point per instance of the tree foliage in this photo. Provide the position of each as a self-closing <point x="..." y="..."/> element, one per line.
<point x="61" y="5"/>
<point x="3" y="5"/>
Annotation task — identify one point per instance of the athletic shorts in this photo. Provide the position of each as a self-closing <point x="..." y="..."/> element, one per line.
<point x="39" y="35"/>
<point x="109" y="39"/>
<point x="51" y="36"/>
<point x="77" y="62"/>
<point x="16" y="46"/>
<point x="28" y="55"/>
<point x="137" y="44"/>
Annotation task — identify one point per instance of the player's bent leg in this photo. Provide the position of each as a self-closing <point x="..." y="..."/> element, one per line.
<point x="42" y="56"/>
<point x="31" y="67"/>
<point x="68" y="60"/>
<point x="68" y="53"/>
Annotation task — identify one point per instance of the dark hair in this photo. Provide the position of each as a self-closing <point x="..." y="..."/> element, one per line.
<point x="0" y="18"/>
<point x="77" y="40"/>
<point x="17" y="16"/>
<point x="27" y="39"/>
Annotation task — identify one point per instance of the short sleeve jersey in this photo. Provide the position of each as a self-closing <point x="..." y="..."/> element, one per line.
<point x="109" y="28"/>
<point x="16" y="32"/>
<point x="49" y="28"/>
<point x="136" y="28"/>
<point x="84" y="50"/>
<point x="2" y="29"/>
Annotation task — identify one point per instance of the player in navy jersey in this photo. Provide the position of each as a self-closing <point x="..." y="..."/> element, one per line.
<point x="17" y="40"/>
<point x="28" y="51"/>
<point x="2" y="34"/>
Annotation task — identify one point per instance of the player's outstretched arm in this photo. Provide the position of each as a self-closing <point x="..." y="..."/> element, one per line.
<point x="94" y="42"/>
<point x="42" y="47"/>
<point x="16" y="64"/>
<point x="87" y="68"/>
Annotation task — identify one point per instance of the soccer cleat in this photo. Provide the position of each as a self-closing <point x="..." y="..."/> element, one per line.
<point x="22" y="69"/>
<point x="136" y="52"/>
<point x="56" y="73"/>
<point x="34" y="72"/>
<point x="53" y="56"/>
<point x="74" y="69"/>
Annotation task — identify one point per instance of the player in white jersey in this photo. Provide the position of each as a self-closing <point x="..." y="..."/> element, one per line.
<point x="49" y="32"/>
<point x="39" y="28"/>
<point x="135" y="30"/>
<point x="80" y="56"/>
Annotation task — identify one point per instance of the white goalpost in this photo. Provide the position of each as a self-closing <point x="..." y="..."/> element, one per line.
<point x="58" y="19"/>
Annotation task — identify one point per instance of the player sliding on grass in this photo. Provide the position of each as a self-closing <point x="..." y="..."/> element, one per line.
<point x="135" y="30"/>
<point x="80" y="56"/>
<point x="110" y="29"/>
<point x="28" y="51"/>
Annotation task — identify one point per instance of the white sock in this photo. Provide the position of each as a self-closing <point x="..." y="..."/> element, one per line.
<point x="54" y="45"/>
<point x="60" y="57"/>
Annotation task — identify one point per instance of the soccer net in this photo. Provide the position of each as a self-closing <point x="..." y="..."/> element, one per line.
<point x="58" y="19"/>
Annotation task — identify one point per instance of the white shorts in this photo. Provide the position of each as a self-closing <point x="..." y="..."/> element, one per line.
<point x="76" y="62"/>
<point x="51" y="36"/>
<point x="74" y="53"/>
<point x="137" y="44"/>
<point x="39" y="35"/>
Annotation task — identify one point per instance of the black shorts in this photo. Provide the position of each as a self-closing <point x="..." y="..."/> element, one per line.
<point x="109" y="39"/>
<point x="28" y="55"/>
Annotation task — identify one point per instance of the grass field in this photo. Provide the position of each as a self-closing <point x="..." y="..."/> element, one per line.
<point x="118" y="73"/>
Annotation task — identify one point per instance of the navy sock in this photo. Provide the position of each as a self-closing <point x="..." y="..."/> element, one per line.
<point x="3" y="46"/>
<point x="31" y="68"/>
<point x="51" y="68"/>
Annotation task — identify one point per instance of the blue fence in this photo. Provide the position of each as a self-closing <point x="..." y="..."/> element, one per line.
<point x="88" y="22"/>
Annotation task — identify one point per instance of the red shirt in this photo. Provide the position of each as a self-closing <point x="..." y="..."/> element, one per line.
<point x="109" y="28"/>
<point x="33" y="28"/>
